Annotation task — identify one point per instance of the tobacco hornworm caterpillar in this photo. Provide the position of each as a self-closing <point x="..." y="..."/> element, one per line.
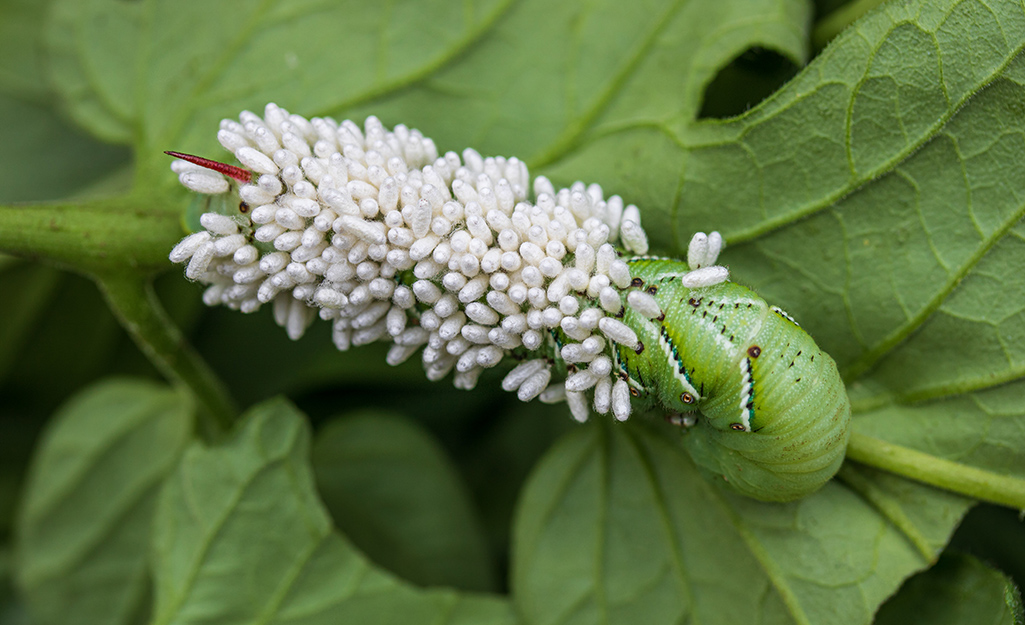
<point x="774" y="412"/>
<point x="373" y="231"/>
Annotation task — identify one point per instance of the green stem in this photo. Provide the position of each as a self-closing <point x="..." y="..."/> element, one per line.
<point x="830" y="26"/>
<point x="133" y="300"/>
<point x="92" y="237"/>
<point x="122" y="242"/>
<point x="953" y="476"/>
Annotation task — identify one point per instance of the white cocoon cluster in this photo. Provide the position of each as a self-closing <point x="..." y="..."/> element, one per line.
<point x="373" y="230"/>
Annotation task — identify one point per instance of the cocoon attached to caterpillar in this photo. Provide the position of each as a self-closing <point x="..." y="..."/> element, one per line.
<point x="373" y="230"/>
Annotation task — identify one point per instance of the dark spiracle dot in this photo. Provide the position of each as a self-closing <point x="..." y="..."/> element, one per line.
<point x="637" y="282"/>
<point x="634" y="392"/>
<point x="687" y="398"/>
<point x="739" y="427"/>
<point x="754" y="351"/>
<point x="243" y="207"/>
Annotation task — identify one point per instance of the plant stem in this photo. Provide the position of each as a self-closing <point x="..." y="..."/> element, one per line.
<point x="133" y="300"/>
<point x="97" y="237"/>
<point x="121" y="242"/>
<point x="831" y="25"/>
<point x="953" y="476"/>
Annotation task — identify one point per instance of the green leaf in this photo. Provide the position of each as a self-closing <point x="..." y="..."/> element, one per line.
<point x="18" y="432"/>
<point x="958" y="590"/>
<point x="54" y="158"/>
<point x="98" y="92"/>
<point x="972" y="341"/>
<point x="392" y="491"/>
<point x="83" y="528"/>
<point x="498" y="462"/>
<point x="241" y="537"/>
<point x="22" y="68"/>
<point x="407" y="59"/>
<point x="39" y="371"/>
<point x="11" y="610"/>
<point x="995" y="535"/>
<point x="617" y="526"/>
<point x="28" y="288"/>
<point x="894" y="83"/>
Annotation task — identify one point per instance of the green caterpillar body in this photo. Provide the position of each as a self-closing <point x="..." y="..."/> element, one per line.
<point x="774" y="413"/>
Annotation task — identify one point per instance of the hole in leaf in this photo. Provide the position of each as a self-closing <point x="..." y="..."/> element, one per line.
<point x="824" y="7"/>
<point x="748" y="79"/>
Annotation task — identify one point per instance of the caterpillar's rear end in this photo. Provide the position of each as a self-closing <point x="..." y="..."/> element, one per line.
<point x="773" y="412"/>
<point x="799" y="429"/>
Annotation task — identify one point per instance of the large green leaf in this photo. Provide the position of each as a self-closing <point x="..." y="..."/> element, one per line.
<point x="617" y="526"/>
<point x="83" y="528"/>
<point x="959" y="590"/>
<point x="22" y="66"/>
<point x="54" y="157"/>
<point x="995" y="535"/>
<point x="499" y="460"/>
<point x="241" y="537"/>
<point x="460" y="67"/>
<point x="50" y="316"/>
<point x="391" y="490"/>
<point x="11" y="610"/>
<point x="29" y="288"/>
